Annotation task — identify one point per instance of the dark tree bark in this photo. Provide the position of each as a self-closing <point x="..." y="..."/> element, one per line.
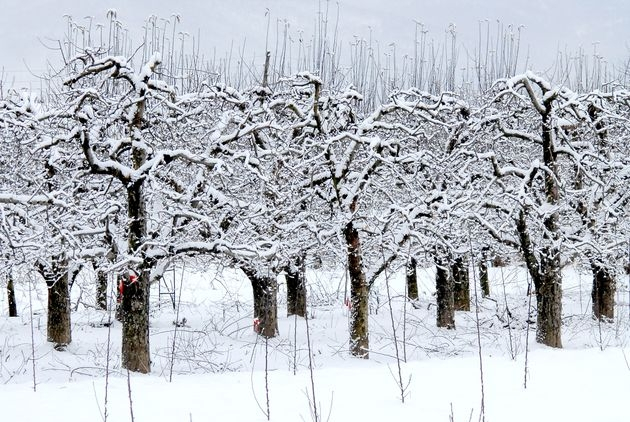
<point x="359" y="337"/>
<point x="604" y="285"/>
<point x="412" y="278"/>
<point x="265" y="290"/>
<point x="11" y="297"/>
<point x="444" y="295"/>
<point x="484" y="280"/>
<point x="101" y="275"/>
<point x="548" y="284"/>
<point x="545" y="273"/>
<point x="603" y="293"/>
<point x="543" y="259"/>
<point x="296" y="288"/>
<point x="498" y="261"/>
<point x="101" y="289"/>
<point x="135" y="300"/>
<point x="549" y="298"/>
<point x="461" y="284"/>
<point x="119" y="280"/>
<point x="135" y="323"/>
<point x="58" y="326"/>
<point x="136" y="355"/>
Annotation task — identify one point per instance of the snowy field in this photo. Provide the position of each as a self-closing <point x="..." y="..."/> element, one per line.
<point x="212" y="368"/>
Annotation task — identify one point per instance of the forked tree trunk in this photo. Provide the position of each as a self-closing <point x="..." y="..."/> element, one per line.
<point x="136" y="354"/>
<point x="58" y="325"/>
<point x="11" y="297"/>
<point x="547" y="278"/>
<point x="543" y="260"/>
<point x="549" y="286"/>
<point x="359" y="334"/>
<point x="603" y="293"/>
<point x="265" y="290"/>
<point x="296" y="288"/>
<point x="444" y="296"/>
<point x="101" y="289"/>
<point x="604" y="285"/>
<point x="412" y="278"/>
<point x="461" y="284"/>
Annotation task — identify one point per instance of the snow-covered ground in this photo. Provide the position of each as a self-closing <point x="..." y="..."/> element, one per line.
<point x="218" y="364"/>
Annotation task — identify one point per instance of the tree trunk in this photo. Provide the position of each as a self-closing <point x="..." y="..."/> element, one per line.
<point x="603" y="293"/>
<point x="58" y="326"/>
<point x="268" y="318"/>
<point x="135" y="323"/>
<point x="118" y="315"/>
<point x="265" y="290"/>
<point x="499" y="261"/>
<point x="412" y="279"/>
<point x="548" y="286"/>
<point x="359" y="337"/>
<point x="444" y="293"/>
<point x="101" y="289"/>
<point x="461" y="284"/>
<point x="136" y="354"/>
<point x="484" y="280"/>
<point x="296" y="288"/>
<point x="11" y="297"/>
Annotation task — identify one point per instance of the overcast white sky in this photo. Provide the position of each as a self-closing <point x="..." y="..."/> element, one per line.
<point x="549" y="24"/>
